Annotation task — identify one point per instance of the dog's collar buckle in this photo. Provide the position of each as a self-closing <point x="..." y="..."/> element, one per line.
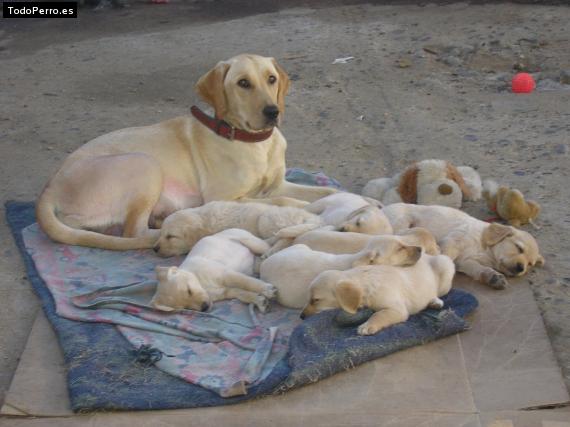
<point x="225" y="130"/>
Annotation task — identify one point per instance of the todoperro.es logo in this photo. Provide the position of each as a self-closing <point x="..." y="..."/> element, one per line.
<point x="39" y="9"/>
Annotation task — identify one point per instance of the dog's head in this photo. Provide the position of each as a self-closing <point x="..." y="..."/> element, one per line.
<point x="514" y="251"/>
<point x="388" y="250"/>
<point x="330" y="290"/>
<point x="178" y="289"/>
<point x="247" y="91"/>
<point x="419" y="236"/>
<point x="367" y="220"/>
<point x="180" y="231"/>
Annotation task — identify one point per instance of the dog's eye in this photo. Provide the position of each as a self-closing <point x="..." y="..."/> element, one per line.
<point x="272" y="79"/>
<point x="169" y="236"/>
<point x="189" y="292"/>
<point x="314" y="300"/>
<point x="244" y="83"/>
<point x="521" y="249"/>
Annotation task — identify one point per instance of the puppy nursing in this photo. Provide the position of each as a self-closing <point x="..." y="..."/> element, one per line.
<point x="394" y="293"/>
<point x="292" y="270"/>
<point x="218" y="267"/>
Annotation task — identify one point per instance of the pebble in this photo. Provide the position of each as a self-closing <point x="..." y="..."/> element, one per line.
<point x="519" y="173"/>
<point x="471" y="138"/>
<point x="561" y="149"/>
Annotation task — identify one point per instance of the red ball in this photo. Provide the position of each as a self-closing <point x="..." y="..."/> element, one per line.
<point x="523" y="83"/>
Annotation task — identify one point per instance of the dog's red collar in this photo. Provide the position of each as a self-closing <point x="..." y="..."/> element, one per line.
<point x="227" y="131"/>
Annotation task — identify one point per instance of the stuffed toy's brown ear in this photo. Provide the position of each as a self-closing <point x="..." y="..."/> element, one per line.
<point x="453" y="174"/>
<point x="349" y="296"/>
<point x="211" y="88"/>
<point x="494" y="234"/>
<point x="408" y="186"/>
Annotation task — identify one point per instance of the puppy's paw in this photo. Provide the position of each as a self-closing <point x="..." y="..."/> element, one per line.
<point x="436" y="304"/>
<point x="367" y="329"/>
<point x="261" y="303"/>
<point x="270" y="291"/>
<point x="498" y="281"/>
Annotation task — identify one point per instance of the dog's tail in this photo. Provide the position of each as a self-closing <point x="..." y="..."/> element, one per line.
<point x="62" y="233"/>
<point x="296" y="230"/>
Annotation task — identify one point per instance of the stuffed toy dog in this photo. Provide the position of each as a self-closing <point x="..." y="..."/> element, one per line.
<point x="510" y="204"/>
<point x="428" y="182"/>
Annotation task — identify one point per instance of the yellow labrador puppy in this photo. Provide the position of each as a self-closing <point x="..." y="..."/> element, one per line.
<point x="218" y="267"/>
<point x="292" y="270"/>
<point x="394" y="293"/>
<point x="135" y="177"/>
<point x="485" y="252"/>
<point x="183" y="229"/>
<point x="336" y="242"/>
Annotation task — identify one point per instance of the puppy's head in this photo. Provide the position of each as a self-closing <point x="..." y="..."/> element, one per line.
<point x="178" y="289"/>
<point x="514" y="251"/>
<point x="367" y="220"/>
<point x="247" y="91"/>
<point x="329" y="290"/>
<point x="178" y="234"/>
<point x="388" y="250"/>
<point x="419" y="236"/>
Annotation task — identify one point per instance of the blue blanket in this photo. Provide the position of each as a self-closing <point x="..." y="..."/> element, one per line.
<point x="318" y="348"/>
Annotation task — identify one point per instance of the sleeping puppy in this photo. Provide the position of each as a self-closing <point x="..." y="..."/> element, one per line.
<point x="485" y="252"/>
<point x="218" y="267"/>
<point x="335" y="242"/>
<point x="394" y="293"/>
<point x="351" y="212"/>
<point x="292" y="270"/>
<point x="345" y="212"/>
<point x="181" y="230"/>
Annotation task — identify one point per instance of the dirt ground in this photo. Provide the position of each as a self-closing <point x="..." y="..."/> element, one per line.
<point x="426" y="81"/>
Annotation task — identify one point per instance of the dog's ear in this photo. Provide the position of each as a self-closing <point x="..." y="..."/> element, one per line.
<point x="211" y="88"/>
<point x="283" y="88"/>
<point x="494" y="234"/>
<point x="349" y="296"/>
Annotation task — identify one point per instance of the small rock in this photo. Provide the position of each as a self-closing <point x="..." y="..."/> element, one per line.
<point x="471" y="138"/>
<point x="404" y="63"/>
<point x="561" y="149"/>
<point x="519" y="173"/>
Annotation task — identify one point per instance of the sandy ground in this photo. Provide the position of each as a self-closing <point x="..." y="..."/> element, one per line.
<point x="427" y="81"/>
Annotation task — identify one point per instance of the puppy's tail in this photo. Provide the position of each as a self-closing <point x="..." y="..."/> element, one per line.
<point x="296" y="230"/>
<point x="62" y="233"/>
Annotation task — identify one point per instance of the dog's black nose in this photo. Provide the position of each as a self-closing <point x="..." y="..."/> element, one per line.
<point x="519" y="268"/>
<point x="271" y="112"/>
<point x="302" y="316"/>
<point x="156" y="248"/>
<point x="204" y="307"/>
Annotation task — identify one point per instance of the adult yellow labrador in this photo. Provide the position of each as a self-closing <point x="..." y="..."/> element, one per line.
<point x="135" y="177"/>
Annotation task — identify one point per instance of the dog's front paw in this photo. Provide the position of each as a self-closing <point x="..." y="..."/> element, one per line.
<point x="498" y="281"/>
<point x="270" y="291"/>
<point x="367" y="329"/>
<point x="261" y="303"/>
<point x="436" y="304"/>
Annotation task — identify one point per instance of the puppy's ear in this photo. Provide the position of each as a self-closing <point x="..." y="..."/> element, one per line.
<point x="494" y="234"/>
<point x="283" y="88"/>
<point x="349" y="296"/>
<point x="211" y="88"/>
<point x="540" y="261"/>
